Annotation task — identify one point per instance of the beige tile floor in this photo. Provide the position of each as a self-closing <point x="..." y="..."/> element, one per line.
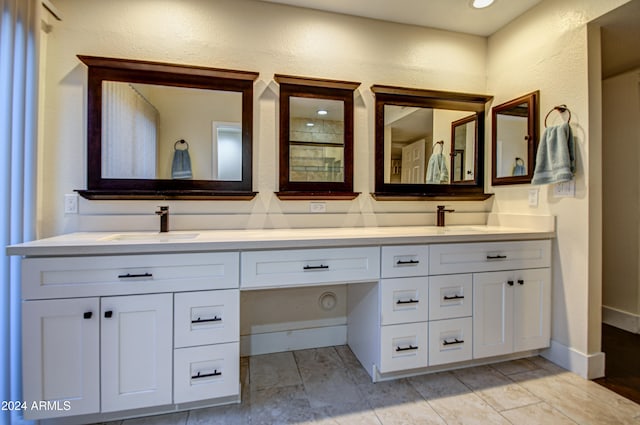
<point x="328" y="386"/>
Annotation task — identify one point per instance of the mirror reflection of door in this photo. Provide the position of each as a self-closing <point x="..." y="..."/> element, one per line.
<point x="227" y="151"/>
<point x="316" y="140"/>
<point x="464" y="135"/>
<point x="512" y="141"/>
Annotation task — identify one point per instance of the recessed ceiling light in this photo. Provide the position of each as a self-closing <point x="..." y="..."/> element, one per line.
<point x="322" y="112"/>
<point x="480" y="4"/>
<point x="310" y="124"/>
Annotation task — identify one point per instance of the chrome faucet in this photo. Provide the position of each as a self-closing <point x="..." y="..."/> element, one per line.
<point x="163" y="212"/>
<point x="440" y="215"/>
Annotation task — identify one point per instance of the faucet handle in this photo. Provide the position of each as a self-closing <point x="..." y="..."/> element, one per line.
<point x="441" y="208"/>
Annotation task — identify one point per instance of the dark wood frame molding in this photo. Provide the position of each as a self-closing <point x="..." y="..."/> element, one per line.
<point x="137" y="71"/>
<point x="467" y="190"/>
<point x="292" y="86"/>
<point x="533" y="121"/>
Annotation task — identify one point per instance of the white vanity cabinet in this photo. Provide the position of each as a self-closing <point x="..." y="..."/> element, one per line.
<point x="61" y="355"/>
<point x="511" y="292"/>
<point x="100" y="354"/>
<point x="136" y="340"/>
<point x="512" y="311"/>
<point x="103" y="353"/>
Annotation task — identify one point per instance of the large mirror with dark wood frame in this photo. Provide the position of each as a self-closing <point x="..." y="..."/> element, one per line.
<point x="316" y="138"/>
<point x="167" y="131"/>
<point x="514" y="137"/>
<point x="428" y="144"/>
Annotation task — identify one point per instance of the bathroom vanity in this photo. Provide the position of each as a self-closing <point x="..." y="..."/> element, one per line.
<point x="129" y="324"/>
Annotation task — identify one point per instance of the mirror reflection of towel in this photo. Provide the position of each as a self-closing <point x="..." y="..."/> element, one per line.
<point x="181" y="165"/>
<point x="437" y="172"/>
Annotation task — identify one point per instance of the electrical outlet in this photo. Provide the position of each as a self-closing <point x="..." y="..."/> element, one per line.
<point x="317" y="207"/>
<point x="565" y="189"/>
<point x="71" y="203"/>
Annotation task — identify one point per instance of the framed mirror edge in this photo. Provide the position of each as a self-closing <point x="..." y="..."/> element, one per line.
<point x="533" y="124"/>
<point x="315" y="88"/>
<point x="466" y="190"/>
<point x="176" y="75"/>
<point x="470" y="196"/>
<point x="186" y="195"/>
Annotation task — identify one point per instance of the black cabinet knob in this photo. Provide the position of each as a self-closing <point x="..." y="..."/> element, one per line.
<point x="87" y="315"/>
<point x="108" y="314"/>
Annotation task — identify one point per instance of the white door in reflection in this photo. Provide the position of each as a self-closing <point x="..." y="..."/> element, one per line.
<point x="227" y="151"/>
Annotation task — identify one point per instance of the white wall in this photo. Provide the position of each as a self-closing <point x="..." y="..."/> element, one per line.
<point x="547" y="49"/>
<point x="621" y="200"/>
<point x="253" y="36"/>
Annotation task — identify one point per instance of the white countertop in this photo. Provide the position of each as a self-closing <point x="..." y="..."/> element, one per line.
<point x="109" y="243"/>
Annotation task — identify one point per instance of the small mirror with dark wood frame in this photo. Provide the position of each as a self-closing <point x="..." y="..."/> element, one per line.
<point x="167" y="131"/>
<point x="316" y="138"/>
<point x="429" y="144"/>
<point x="514" y="138"/>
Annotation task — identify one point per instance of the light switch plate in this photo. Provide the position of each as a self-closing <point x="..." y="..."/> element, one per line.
<point x="533" y="198"/>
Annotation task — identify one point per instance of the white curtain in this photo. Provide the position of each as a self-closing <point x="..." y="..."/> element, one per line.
<point x="19" y="34"/>
<point x="129" y="133"/>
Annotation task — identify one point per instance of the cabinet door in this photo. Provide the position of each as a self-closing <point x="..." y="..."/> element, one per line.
<point x="532" y="309"/>
<point x="136" y="351"/>
<point x="492" y="313"/>
<point x="60" y="356"/>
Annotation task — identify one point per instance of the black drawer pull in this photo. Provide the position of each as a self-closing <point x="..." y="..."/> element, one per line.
<point x="133" y="276"/>
<point x="455" y="341"/>
<point x="455" y="297"/>
<point x="496" y="257"/>
<point x="215" y="319"/>
<point x="521" y="282"/>
<point x="320" y="267"/>
<point x="87" y="315"/>
<point x="404" y="263"/>
<point x="510" y="282"/>
<point x="410" y="347"/>
<point x="108" y="314"/>
<point x="409" y="301"/>
<point x="207" y="375"/>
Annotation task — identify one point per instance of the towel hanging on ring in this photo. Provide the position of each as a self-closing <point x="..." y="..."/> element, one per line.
<point x="181" y="165"/>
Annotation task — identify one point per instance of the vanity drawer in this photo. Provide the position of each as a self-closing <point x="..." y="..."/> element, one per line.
<point x="128" y="274"/>
<point x="489" y="256"/>
<point x="450" y="296"/>
<point x="208" y="317"/>
<point x="210" y="371"/>
<point x="282" y="268"/>
<point x="403" y="347"/>
<point x="405" y="260"/>
<point x="450" y="341"/>
<point x="404" y="300"/>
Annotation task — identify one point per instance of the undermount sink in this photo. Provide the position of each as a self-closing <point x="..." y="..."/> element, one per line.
<point x="151" y="237"/>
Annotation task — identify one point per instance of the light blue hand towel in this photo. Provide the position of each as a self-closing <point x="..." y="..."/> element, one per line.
<point x="556" y="157"/>
<point x="437" y="171"/>
<point x="181" y="165"/>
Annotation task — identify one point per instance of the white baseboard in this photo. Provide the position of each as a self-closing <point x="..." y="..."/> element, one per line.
<point x="621" y="319"/>
<point x="589" y="366"/>
<point x="301" y="339"/>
